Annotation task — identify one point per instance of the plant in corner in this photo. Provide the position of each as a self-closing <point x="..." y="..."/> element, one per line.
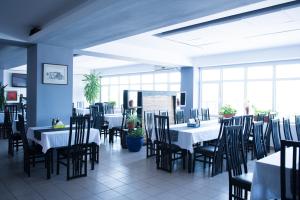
<point x="135" y="139"/>
<point x="132" y="120"/>
<point x="92" y="87"/>
<point x="227" y="111"/>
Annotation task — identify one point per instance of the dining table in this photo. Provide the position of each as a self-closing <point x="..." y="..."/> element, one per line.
<point x="114" y="120"/>
<point x="266" y="176"/>
<point x="50" y="138"/>
<point x="185" y="137"/>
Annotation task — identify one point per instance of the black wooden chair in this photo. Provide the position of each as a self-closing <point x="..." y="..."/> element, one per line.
<point x="267" y="135"/>
<point x="293" y="188"/>
<point x="179" y="117"/>
<point x="276" y="136"/>
<point x="237" y="120"/>
<point x="74" y="156"/>
<point x="13" y="111"/>
<point x="163" y="112"/>
<point x="205" y="114"/>
<point x="260" y="117"/>
<point x="100" y="123"/>
<point x="94" y="109"/>
<point x="240" y="180"/>
<point x="258" y="140"/>
<point x="247" y="137"/>
<point x="167" y="152"/>
<point x="119" y="131"/>
<point x="287" y="129"/>
<point x="14" y="138"/>
<point x="32" y="153"/>
<point x="194" y="113"/>
<point x="214" y="151"/>
<point x="297" y="124"/>
<point x="149" y="130"/>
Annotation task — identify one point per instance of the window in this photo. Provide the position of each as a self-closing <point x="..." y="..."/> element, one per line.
<point x="211" y="75"/>
<point x="259" y="95"/>
<point x="233" y="74"/>
<point x="233" y="94"/>
<point x="175" y="77"/>
<point x="161" y="77"/>
<point x="210" y="97"/>
<point x="260" y="72"/>
<point x="147" y="78"/>
<point x="288" y="71"/>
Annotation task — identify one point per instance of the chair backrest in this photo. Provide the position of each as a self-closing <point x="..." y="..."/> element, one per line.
<point x="234" y="149"/>
<point x="162" y="132"/>
<point x="275" y="128"/>
<point x="99" y="120"/>
<point x="237" y="120"/>
<point x="247" y="125"/>
<point x="261" y="117"/>
<point x="163" y="112"/>
<point x="80" y="131"/>
<point x="205" y="114"/>
<point x="13" y="111"/>
<point x="287" y="129"/>
<point x="259" y="142"/>
<point x="293" y="174"/>
<point x="179" y="117"/>
<point x="7" y="123"/>
<point x="149" y="124"/>
<point x="297" y="124"/>
<point x="272" y="115"/>
<point x="22" y="130"/>
<point x="194" y="113"/>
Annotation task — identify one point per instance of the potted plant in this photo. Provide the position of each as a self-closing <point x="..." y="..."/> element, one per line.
<point x="2" y="97"/>
<point x="135" y="139"/>
<point x="92" y="87"/>
<point x="132" y="121"/>
<point x="227" y="111"/>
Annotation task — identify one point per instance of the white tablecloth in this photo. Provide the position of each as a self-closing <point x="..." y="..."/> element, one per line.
<point x="58" y="138"/>
<point x="266" y="176"/>
<point x="82" y="111"/>
<point x="187" y="136"/>
<point x="114" y="120"/>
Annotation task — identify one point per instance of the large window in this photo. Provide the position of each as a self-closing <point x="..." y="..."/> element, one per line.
<point x="268" y="87"/>
<point x="112" y="86"/>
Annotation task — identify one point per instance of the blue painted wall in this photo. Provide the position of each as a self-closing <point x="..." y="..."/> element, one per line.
<point x="47" y="101"/>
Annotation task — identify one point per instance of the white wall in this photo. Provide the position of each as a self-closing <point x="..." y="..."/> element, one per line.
<point x="7" y="81"/>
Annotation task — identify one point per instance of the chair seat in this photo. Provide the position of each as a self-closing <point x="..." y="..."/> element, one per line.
<point x="208" y="150"/>
<point x="16" y="136"/>
<point x="35" y="150"/>
<point x="174" y="148"/>
<point x="244" y="179"/>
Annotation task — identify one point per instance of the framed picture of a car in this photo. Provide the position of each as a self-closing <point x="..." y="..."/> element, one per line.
<point x="55" y="74"/>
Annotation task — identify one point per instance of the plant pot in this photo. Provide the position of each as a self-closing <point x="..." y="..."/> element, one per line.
<point x="228" y="115"/>
<point x="130" y="125"/>
<point x="134" y="144"/>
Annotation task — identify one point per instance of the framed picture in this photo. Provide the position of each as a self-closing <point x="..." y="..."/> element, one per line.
<point x="55" y="74"/>
<point x="11" y="95"/>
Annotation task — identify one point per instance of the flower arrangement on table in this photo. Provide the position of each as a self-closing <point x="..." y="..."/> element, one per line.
<point x="56" y="123"/>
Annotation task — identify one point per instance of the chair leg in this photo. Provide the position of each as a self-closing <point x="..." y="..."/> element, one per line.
<point x="57" y="163"/>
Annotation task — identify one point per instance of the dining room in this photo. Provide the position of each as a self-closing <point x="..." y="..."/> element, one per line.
<point x="149" y="100"/>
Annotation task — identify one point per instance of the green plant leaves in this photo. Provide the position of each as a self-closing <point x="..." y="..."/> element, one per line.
<point x="92" y="87"/>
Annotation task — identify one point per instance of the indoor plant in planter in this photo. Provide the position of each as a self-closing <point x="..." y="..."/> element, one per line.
<point x="227" y="111"/>
<point x="135" y="139"/>
<point x="92" y="87"/>
<point x="132" y="121"/>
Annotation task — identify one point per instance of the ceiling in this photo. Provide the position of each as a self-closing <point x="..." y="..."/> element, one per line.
<point x="123" y="33"/>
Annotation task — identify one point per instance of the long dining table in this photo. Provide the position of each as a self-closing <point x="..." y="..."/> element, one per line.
<point x="185" y="137"/>
<point x="266" y="176"/>
<point x="50" y="139"/>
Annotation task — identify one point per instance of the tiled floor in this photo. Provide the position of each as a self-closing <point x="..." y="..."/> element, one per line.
<point x="120" y="175"/>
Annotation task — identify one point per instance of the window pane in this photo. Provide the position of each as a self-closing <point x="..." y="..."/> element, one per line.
<point x="104" y="93"/>
<point x="210" y="97"/>
<point x="161" y="87"/>
<point x="175" y="77"/>
<point x="114" y="94"/>
<point x="260" y="72"/>
<point x="288" y="71"/>
<point x="233" y="74"/>
<point x="210" y="74"/>
<point x="135" y="79"/>
<point x="161" y="77"/>
<point x="287" y="97"/>
<point x="147" y="78"/>
<point x="135" y="87"/>
<point x="114" y="80"/>
<point x="105" y="80"/>
<point x="175" y="87"/>
<point x="124" y="80"/>
<point x="233" y="94"/>
<point x="147" y="87"/>
<point x="260" y="95"/>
